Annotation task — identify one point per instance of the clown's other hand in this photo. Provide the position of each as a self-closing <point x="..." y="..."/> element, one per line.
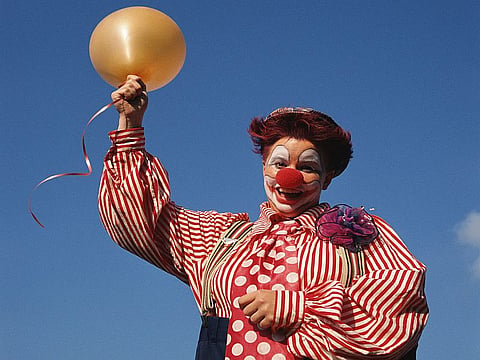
<point x="259" y="306"/>
<point x="132" y="102"/>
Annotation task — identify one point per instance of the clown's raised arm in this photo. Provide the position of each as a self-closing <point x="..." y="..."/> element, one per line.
<point x="134" y="199"/>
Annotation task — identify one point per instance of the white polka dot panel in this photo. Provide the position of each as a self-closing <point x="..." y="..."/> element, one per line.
<point x="272" y="265"/>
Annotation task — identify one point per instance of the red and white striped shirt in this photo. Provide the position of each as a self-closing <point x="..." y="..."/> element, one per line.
<point x="379" y="316"/>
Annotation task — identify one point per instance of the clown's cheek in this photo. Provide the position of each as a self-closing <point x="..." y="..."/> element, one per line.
<point x="269" y="191"/>
<point x="311" y="198"/>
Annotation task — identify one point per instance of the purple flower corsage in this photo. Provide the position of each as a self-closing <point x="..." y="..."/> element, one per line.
<point x="349" y="227"/>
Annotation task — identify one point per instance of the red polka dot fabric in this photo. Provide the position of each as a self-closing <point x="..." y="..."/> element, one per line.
<point x="272" y="265"/>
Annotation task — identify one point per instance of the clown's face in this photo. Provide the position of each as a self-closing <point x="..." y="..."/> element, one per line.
<point x="294" y="176"/>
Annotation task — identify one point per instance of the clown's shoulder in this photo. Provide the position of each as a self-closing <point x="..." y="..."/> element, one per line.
<point x="388" y="237"/>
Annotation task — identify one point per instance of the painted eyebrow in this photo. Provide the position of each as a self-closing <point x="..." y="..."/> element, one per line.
<point x="279" y="153"/>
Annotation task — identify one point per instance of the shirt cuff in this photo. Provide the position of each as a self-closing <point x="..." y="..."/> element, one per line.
<point x="128" y="139"/>
<point x="289" y="308"/>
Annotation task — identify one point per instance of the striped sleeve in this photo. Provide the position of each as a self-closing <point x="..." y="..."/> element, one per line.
<point x="380" y="316"/>
<point x="136" y="210"/>
<point x="289" y="308"/>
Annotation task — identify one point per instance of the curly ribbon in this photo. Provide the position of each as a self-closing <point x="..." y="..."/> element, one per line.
<point x="87" y="162"/>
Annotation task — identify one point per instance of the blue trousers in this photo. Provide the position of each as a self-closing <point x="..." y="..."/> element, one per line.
<point x="212" y="341"/>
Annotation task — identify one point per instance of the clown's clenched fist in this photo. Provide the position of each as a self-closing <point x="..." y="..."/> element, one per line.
<point x="131" y="101"/>
<point x="259" y="306"/>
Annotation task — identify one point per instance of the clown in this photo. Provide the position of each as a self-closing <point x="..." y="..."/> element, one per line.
<point x="304" y="281"/>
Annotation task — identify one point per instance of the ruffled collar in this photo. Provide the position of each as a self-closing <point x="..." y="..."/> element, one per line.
<point x="269" y="217"/>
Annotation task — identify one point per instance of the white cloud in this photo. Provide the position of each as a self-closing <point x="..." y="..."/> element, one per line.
<point x="468" y="232"/>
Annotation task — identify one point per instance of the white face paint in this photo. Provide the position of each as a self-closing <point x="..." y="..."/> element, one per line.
<point x="302" y="156"/>
<point x="279" y="156"/>
<point x="311" y="158"/>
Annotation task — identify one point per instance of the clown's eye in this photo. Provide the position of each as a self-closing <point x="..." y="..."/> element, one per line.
<point x="279" y="164"/>
<point x="308" y="169"/>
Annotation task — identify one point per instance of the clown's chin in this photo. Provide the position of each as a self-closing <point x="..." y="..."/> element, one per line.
<point x="291" y="204"/>
<point x="289" y="210"/>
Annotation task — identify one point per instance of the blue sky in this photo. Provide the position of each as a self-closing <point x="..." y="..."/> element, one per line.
<point x="402" y="76"/>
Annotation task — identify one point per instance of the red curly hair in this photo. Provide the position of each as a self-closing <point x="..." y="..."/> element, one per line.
<point x="305" y="124"/>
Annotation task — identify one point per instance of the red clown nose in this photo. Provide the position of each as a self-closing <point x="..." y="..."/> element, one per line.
<point x="289" y="178"/>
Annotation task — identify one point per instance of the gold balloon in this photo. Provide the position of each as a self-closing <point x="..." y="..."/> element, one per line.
<point x="137" y="41"/>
